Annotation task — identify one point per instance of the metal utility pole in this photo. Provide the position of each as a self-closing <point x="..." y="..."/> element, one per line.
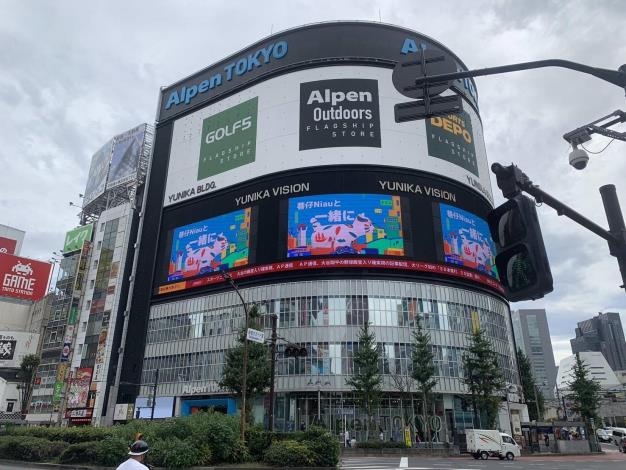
<point x="512" y="181"/>
<point x="244" y="380"/>
<point x="154" y="392"/>
<point x="274" y="320"/>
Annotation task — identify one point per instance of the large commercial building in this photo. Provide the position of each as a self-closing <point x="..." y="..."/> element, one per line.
<point x="603" y="333"/>
<point x="77" y="357"/>
<point x="23" y="287"/>
<point x="283" y="164"/>
<point x="532" y="336"/>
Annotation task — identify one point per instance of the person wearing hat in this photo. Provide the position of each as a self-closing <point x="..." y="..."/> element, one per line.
<point x="137" y="457"/>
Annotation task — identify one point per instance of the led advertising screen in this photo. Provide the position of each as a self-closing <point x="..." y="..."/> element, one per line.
<point x="467" y="241"/>
<point x="210" y="245"/>
<point x="345" y="224"/>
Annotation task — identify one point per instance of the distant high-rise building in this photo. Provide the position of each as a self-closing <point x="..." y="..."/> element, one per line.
<point x="604" y="334"/>
<point x="532" y="336"/>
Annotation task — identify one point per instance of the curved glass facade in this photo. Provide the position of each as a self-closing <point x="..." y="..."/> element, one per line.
<point x="187" y="339"/>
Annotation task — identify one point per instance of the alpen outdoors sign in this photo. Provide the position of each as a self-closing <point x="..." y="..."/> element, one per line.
<point x="339" y="113"/>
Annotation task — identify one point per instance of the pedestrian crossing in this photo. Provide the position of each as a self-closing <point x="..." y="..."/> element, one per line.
<point x="370" y="463"/>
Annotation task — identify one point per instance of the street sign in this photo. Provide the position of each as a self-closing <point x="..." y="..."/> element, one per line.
<point x="438" y="106"/>
<point x="430" y="62"/>
<point x="255" y="335"/>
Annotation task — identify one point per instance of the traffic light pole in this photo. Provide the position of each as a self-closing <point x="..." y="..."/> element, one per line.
<point x="274" y="319"/>
<point x="513" y="181"/>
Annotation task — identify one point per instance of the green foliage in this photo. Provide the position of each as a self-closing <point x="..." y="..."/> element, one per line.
<point x="32" y="449"/>
<point x="529" y="387"/>
<point x="70" y="435"/>
<point x="483" y="377"/>
<point x="258" y="377"/>
<point x="366" y="381"/>
<point x="424" y="371"/>
<point x="289" y="454"/>
<point x="111" y="451"/>
<point x="218" y="431"/>
<point x="174" y="453"/>
<point x="585" y="392"/>
<point x="26" y="377"/>
<point x="82" y="452"/>
<point x="323" y="445"/>
<point x="381" y="445"/>
<point x="258" y="441"/>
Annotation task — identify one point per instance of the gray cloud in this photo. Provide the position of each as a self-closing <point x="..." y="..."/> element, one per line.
<point x="73" y="74"/>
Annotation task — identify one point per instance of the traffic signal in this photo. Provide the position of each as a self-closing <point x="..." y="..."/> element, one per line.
<point x="522" y="261"/>
<point x="295" y="351"/>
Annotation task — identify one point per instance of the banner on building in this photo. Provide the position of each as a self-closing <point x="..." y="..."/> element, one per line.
<point x="75" y="238"/>
<point x="23" y="278"/>
<point x="14" y="345"/>
<point x="98" y="171"/>
<point x="78" y="391"/>
<point x="127" y="149"/>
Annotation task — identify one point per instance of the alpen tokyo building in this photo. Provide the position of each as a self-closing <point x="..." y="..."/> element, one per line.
<point x="283" y="165"/>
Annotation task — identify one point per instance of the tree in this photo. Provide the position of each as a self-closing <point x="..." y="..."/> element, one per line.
<point x="26" y="377"/>
<point x="529" y="387"/>
<point x="366" y="381"/>
<point x="259" y="377"/>
<point x="483" y="377"/>
<point x="424" y="370"/>
<point x="584" y="391"/>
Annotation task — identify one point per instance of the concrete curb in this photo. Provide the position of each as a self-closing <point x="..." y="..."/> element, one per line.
<point x="58" y="466"/>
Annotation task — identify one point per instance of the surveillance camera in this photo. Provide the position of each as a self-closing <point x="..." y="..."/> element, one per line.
<point x="578" y="158"/>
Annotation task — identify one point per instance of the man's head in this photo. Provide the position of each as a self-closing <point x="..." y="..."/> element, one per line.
<point x="138" y="450"/>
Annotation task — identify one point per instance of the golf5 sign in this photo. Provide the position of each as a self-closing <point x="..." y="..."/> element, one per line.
<point x="228" y="139"/>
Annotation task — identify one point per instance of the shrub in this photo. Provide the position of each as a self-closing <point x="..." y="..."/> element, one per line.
<point x="173" y="452"/>
<point x="220" y="432"/>
<point x="82" y="452"/>
<point x="289" y="454"/>
<point x="381" y="445"/>
<point x="69" y="435"/>
<point x="323" y="445"/>
<point x="111" y="451"/>
<point x="33" y="449"/>
<point x="258" y="441"/>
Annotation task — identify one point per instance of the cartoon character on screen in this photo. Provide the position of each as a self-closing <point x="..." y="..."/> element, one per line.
<point x="206" y="258"/>
<point x="476" y="253"/>
<point x="340" y="238"/>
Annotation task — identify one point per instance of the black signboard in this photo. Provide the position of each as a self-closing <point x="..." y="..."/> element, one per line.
<point x="7" y="349"/>
<point x="339" y="113"/>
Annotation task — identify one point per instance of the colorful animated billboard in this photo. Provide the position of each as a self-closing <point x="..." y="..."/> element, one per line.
<point x="467" y="240"/>
<point x="210" y="245"/>
<point x="345" y="224"/>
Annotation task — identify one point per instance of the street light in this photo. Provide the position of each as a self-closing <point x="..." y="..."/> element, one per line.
<point x="154" y="392"/>
<point x="242" y="423"/>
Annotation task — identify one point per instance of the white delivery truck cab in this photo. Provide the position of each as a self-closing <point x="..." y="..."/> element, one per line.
<point x="482" y="443"/>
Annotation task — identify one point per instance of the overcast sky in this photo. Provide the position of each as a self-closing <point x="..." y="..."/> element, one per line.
<point x="74" y="73"/>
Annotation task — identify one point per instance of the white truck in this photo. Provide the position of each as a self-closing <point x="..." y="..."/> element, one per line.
<point x="482" y="443"/>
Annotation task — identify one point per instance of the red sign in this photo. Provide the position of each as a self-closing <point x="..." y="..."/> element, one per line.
<point x="7" y="245"/>
<point x="369" y="263"/>
<point x="23" y="278"/>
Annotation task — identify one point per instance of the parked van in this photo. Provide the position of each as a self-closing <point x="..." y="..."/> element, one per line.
<point x="482" y="443"/>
